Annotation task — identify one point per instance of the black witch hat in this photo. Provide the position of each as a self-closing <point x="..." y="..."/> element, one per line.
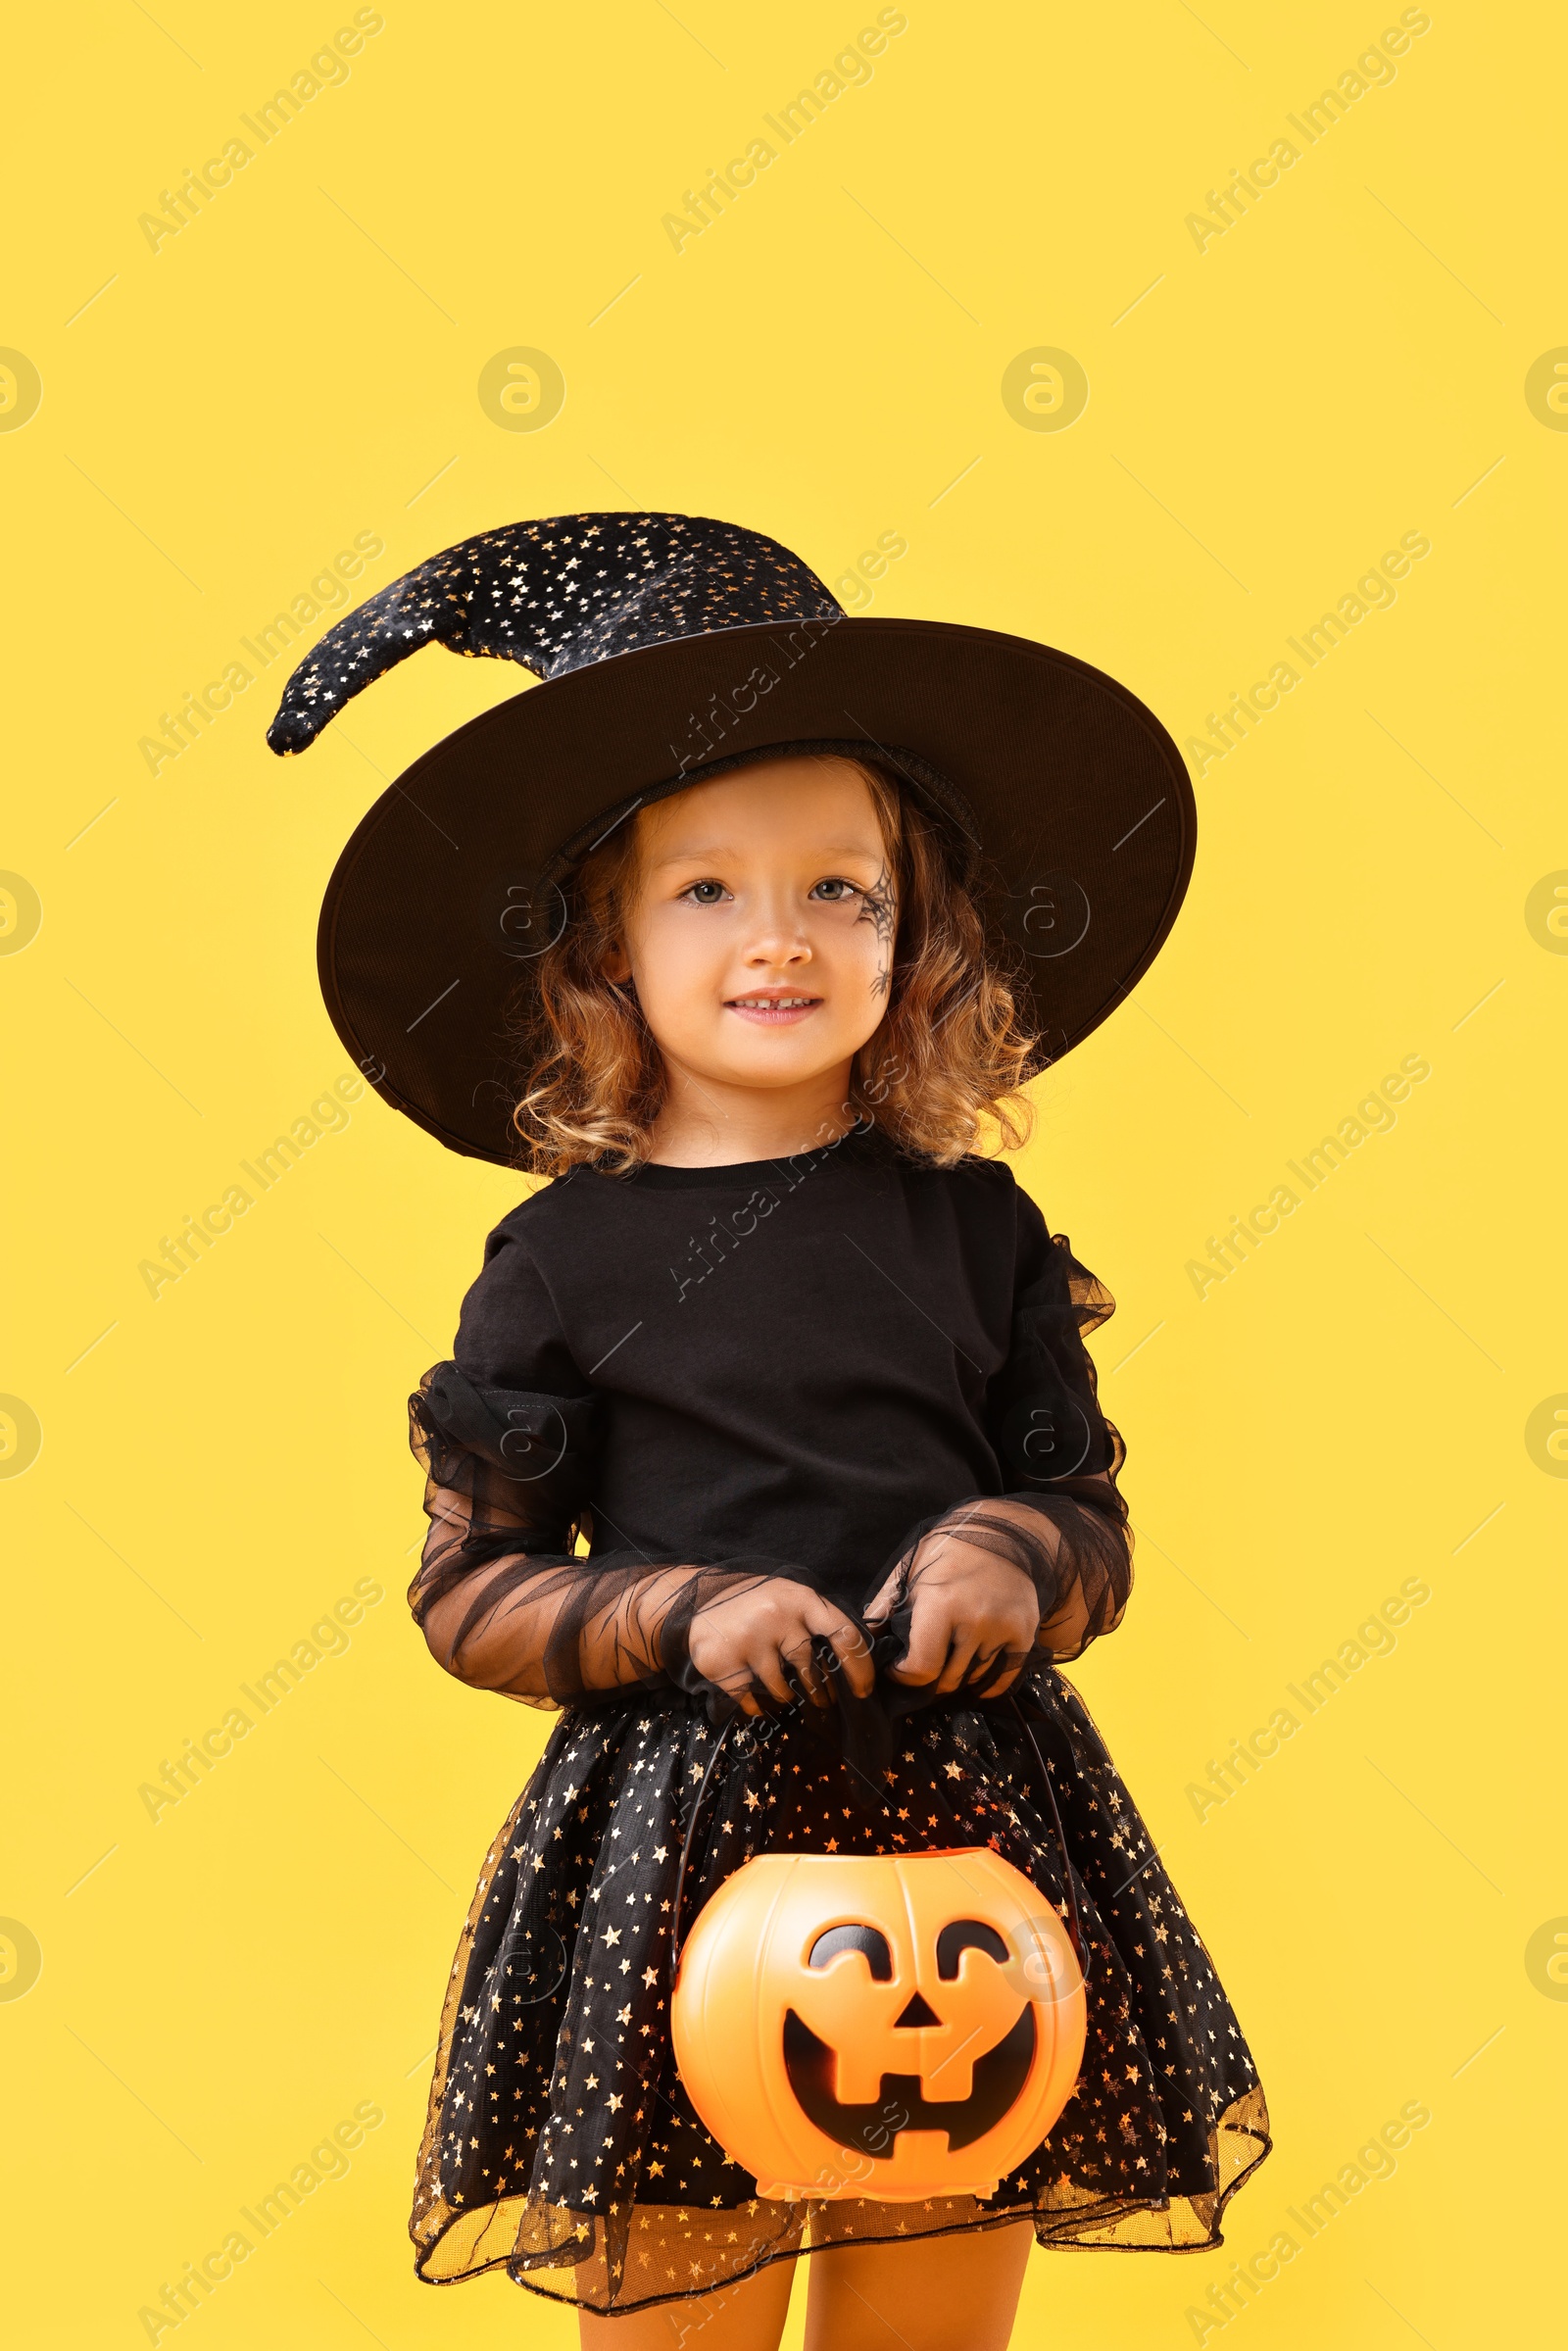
<point x="670" y="648"/>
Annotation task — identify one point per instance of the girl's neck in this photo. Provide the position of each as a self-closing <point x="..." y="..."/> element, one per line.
<point x="704" y="1124"/>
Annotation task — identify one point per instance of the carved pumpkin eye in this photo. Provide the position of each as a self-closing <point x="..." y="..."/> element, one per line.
<point x="965" y="1934"/>
<point x="869" y="1939"/>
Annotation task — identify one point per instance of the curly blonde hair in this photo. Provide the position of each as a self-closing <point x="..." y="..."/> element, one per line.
<point x="948" y="1053"/>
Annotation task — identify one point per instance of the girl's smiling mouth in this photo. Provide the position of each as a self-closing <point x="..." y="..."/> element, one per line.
<point x="774" y="1008"/>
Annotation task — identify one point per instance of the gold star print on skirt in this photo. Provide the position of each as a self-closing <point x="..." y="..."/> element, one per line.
<point x="561" y="2147"/>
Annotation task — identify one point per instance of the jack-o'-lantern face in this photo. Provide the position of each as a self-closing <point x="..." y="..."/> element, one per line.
<point x="891" y="2027"/>
<point x="868" y="2050"/>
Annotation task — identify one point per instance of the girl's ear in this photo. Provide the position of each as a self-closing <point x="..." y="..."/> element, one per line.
<point x="617" y="966"/>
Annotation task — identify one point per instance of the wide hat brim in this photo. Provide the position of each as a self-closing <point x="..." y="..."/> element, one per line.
<point x="1063" y="795"/>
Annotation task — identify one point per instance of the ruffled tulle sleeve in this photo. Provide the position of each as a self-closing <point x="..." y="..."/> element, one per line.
<point x="1044" y="1404"/>
<point x="508" y="1434"/>
<point x="1060" y="1517"/>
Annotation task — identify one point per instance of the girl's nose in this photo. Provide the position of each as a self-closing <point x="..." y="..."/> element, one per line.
<point x="778" y="946"/>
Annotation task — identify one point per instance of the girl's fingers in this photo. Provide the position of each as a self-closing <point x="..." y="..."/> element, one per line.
<point x="853" y="1651"/>
<point x="801" y="1658"/>
<point x="882" y="1605"/>
<point x="947" y="1653"/>
<point x="768" y="1669"/>
<point x="996" y="1670"/>
<point x="854" y="1654"/>
<point x="962" y="1650"/>
<point x="943" y="1653"/>
<point x="738" y="1685"/>
<point x="848" y="1643"/>
<point x="927" y="1652"/>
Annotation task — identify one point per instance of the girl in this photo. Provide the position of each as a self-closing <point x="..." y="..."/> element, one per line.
<point x="769" y="1416"/>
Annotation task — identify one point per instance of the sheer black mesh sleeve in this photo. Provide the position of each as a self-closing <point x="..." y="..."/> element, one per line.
<point x="1062" y="1520"/>
<point x="504" y="1599"/>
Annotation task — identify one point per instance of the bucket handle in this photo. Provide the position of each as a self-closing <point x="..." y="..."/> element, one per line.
<point x="1075" y="1927"/>
<point x="686" y="1850"/>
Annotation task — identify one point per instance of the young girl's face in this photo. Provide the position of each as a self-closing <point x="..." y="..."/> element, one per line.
<point x="761" y="929"/>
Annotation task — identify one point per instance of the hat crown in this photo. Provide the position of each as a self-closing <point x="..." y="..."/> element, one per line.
<point x="556" y="595"/>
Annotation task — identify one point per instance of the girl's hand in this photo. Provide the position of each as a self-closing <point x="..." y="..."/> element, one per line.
<point x="973" y="1612"/>
<point x="750" y="1637"/>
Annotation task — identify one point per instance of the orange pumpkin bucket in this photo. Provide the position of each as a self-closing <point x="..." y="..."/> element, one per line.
<point x="877" y="2025"/>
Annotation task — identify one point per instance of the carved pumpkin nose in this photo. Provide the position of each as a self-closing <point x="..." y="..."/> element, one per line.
<point x="918" y="2012"/>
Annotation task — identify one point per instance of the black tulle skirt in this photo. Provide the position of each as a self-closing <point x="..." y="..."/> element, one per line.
<point x="559" y="2144"/>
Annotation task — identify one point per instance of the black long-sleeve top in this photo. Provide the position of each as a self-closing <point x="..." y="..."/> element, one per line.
<point x="783" y="1366"/>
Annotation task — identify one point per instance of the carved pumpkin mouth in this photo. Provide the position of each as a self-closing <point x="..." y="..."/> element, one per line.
<point x="872" y="2128"/>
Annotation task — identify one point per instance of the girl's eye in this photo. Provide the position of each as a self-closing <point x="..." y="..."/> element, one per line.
<point x="836" y="890"/>
<point x="705" y="894"/>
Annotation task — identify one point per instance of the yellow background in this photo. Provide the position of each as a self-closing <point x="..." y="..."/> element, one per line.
<point x="300" y="364"/>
